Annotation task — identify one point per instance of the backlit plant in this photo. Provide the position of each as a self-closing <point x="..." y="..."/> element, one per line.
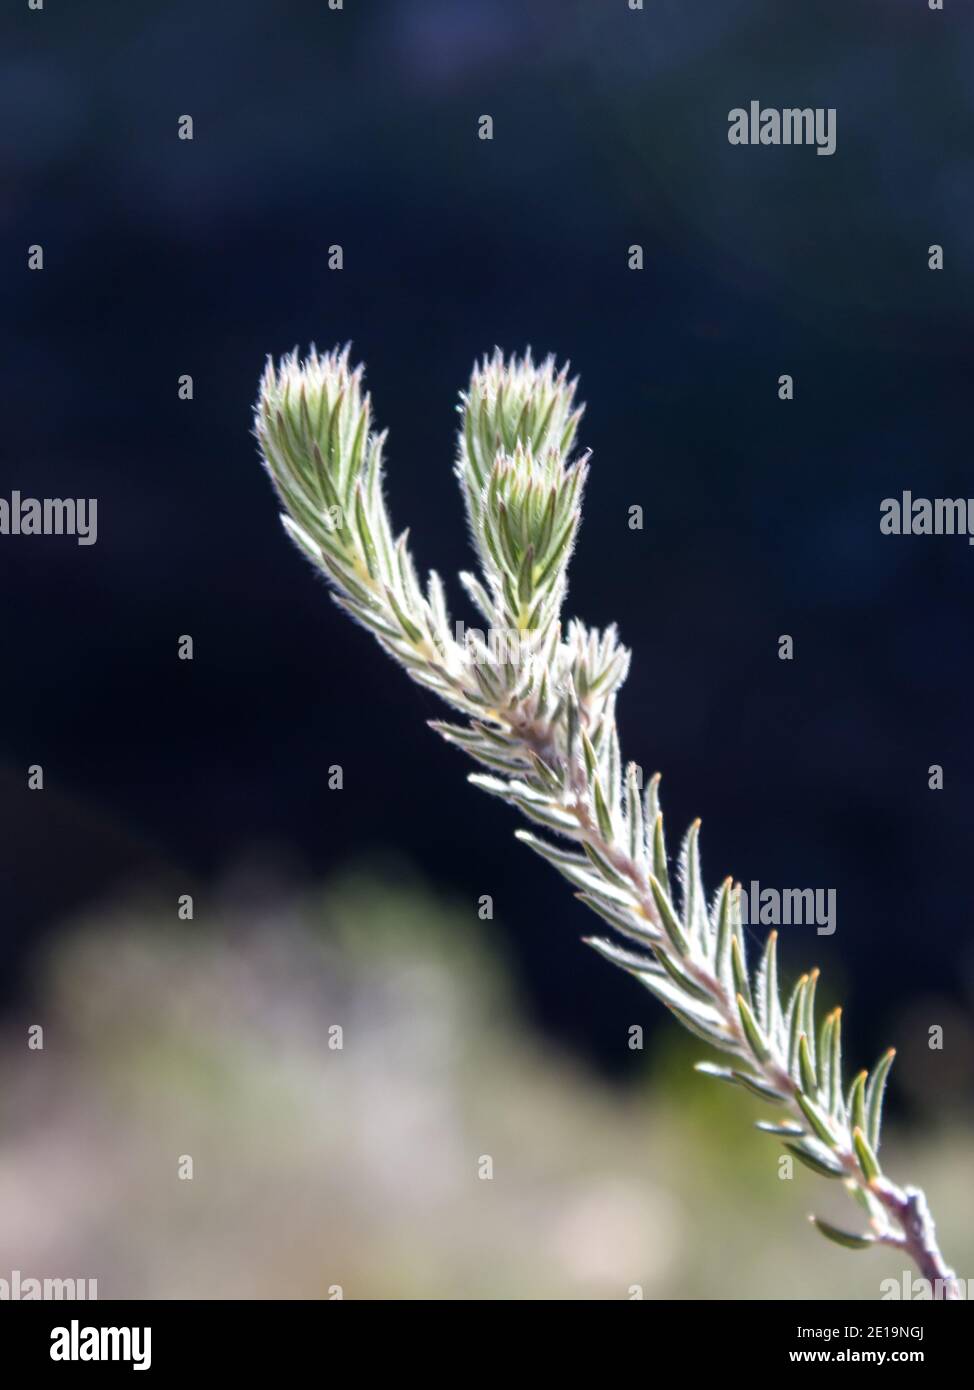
<point x="538" y="705"/>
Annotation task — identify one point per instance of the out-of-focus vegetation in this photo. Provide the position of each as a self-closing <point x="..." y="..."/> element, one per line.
<point x="315" y="1166"/>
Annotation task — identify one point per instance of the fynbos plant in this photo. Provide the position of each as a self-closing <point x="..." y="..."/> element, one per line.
<point x="544" y="725"/>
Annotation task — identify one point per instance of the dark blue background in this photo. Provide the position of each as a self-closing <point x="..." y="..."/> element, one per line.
<point x="360" y="127"/>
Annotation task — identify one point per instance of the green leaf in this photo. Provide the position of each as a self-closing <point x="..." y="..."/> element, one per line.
<point x="749" y="1082"/>
<point x="359" y="438"/>
<point x="581" y="873"/>
<point x="572" y="723"/>
<point x="857" y="1102"/>
<point x="555" y="854"/>
<point x="695" y="1016"/>
<point x="591" y="758"/>
<point x="659" y="853"/>
<point x="874" y="1097"/>
<point x="685" y="983"/>
<point x="607" y="870"/>
<point x="756" y="1040"/>
<point x="492" y="545"/>
<point x="333" y="437"/>
<point x="602" y="811"/>
<point x="557" y="552"/>
<point x="547" y="523"/>
<point x="367" y="616"/>
<point x="351" y="587"/>
<point x="836" y="1105"/>
<point x="713" y="1034"/>
<point x="508" y="542"/>
<point x="718" y="1073"/>
<point x="739" y="968"/>
<point x="868" y="1161"/>
<point x="525" y="587"/>
<point x="619" y="920"/>
<point x="808" y="1023"/>
<point x="759" y="1087"/>
<point x="409" y="627"/>
<point x="806" y="1069"/>
<point x="694" y="901"/>
<point x="634" y="815"/>
<point x="766" y="985"/>
<point x="362" y="526"/>
<point x="788" y="1129"/>
<point x="722" y="929"/>
<point x="793" y="1016"/>
<point x="818" y="1162"/>
<point x="824" y="1053"/>
<point x="671" y="924"/>
<point x="846" y="1238"/>
<point x="545" y="773"/>
<point x="551" y="819"/>
<point x="652" y="800"/>
<point x="626" y="960"/>
<point x="614" y="775"/>
<point x="466" y="738"/>
<point x="815" y="1118"/>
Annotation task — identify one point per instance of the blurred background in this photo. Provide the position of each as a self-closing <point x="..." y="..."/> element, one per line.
<point x="358" y="907"/>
